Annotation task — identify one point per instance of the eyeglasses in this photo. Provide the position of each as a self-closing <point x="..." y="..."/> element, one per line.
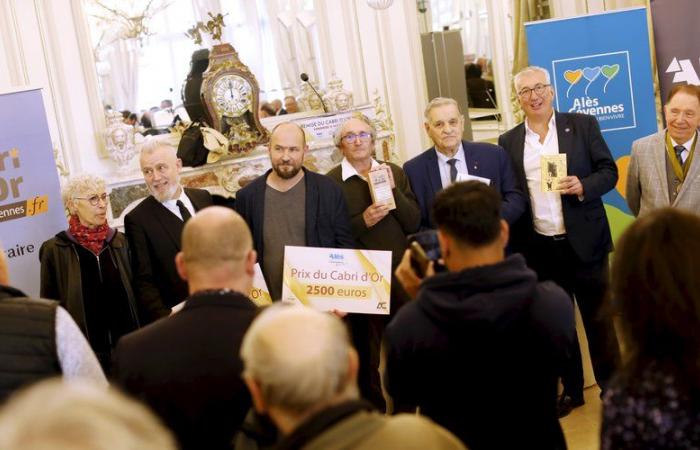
<point x="526" y="93"/>
<point x="352" y="137"/>
<point x="94" y="200"/>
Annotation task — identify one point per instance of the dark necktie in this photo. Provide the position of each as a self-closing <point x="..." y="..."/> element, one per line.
<point x="453" y="169"/>
<point x="184" y="212"/>
<point x="679" y="149"/>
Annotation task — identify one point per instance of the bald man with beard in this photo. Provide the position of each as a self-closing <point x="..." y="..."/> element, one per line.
<point x="186" y="366"/>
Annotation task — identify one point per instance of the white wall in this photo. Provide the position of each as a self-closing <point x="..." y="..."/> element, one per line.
<point x="44" y="44"/>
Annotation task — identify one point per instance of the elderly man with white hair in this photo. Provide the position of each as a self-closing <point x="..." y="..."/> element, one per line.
<point x="564" y="234"/>
<point x="302" y="372"/>
<point x="154" y="228"/>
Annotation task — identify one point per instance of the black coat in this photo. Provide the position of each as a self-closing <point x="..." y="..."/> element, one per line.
<point x="587" y="157"/>
<point x="479" y="351"/>
<point x="187" y="368"/>
<point x="154" y="235"/>
<point x="61" y="275"/>
<point x="327" y="222"/>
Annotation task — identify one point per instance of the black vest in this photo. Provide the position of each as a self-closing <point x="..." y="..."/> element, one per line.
<point x="27" y="340"/>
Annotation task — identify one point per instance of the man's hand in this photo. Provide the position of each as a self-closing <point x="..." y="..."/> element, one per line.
<point x="374" y="213"/>
<point x="571" y="186"/>
<point x="408" y="277"/>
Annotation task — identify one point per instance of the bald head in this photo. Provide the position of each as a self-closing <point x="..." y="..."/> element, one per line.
<point x="288" y="131"/>
<point x="215" y="236"/>
<point x="299" y="358"/>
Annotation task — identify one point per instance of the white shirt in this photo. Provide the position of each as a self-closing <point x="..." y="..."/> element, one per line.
<point x="461" y="165"/>
<point x="74" y="353"/>
<point x="547" y="215"/>
<point x="347" y="170"/>
<point x="172" y="204"/>
<point x="688" y="145"/>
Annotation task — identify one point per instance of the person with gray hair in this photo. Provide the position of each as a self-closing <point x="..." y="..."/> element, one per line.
<point x="564" y="233"/>
<point x="55" y="414"/>
<point x="375" y="226"/>
<point x="301" y="371"/>
<point x="39" y="339"/>
<point x="186" y="366"/>
<point x="452" y="159"/>
<point x="154" y="228"/>
<point x="87" y="269"/>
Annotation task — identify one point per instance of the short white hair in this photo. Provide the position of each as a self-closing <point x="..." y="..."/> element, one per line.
<point x="79" y="186"/>
<point x="298" y="357"/>
<point x="152" y="144"/>
<point x="57" y="414"/>
<point x="437" y="102"/>
<point x="528" y="70"/>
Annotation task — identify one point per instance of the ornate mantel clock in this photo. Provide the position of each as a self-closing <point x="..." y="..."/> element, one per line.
<point x="230" y="98"/>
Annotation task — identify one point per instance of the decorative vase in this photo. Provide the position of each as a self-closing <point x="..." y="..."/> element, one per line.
<point x="337" y="98"/>
<point x="119" y="142"/>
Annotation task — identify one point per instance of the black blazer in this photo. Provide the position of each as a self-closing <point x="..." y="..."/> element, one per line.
<point x="154" y="237"/>
<point x="327" y="221"/>
<point x="483" y="160"/>
<point x="187" y="368"/>
<point x="587" y="157"/>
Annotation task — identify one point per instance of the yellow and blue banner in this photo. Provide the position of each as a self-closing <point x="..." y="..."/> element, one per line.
<point x="600" y="65"/>
<point x="31" y="209"/>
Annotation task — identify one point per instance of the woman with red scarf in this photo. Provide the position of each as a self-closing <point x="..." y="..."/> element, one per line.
<point x="86" y="268"/>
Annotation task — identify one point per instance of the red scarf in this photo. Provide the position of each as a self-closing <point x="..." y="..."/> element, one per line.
<point x="92" y="239"/>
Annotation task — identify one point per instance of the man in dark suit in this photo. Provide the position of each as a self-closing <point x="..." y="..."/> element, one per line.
<point x="290" y="205"/>
<point x="565" y="235"/>
<point x="452" y="159"/>
<point x="154" y="228"/>
<point x="186" y="366"/>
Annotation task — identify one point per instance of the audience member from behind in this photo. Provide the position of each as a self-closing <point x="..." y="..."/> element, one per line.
<point x="302" y="372"/>
<point x="479" y="349"/>
<point x="186" y="366"/>
<point x="87" y="269"/>
<point x="654" y="399"/>
<point x="57" y="415"/>
<point x="38" y="339"/>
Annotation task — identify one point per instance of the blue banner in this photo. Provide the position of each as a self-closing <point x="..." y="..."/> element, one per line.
<point x="600" y="65"/>
<point x="31" y="210"/>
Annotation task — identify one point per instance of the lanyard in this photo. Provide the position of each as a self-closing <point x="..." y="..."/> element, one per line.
<point x="680" y="172"/>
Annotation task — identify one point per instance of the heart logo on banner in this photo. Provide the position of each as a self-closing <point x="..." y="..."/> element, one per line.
<point x="573" y="76"/>
<point x="591" y="73"/>
<point x="610" y="71"/>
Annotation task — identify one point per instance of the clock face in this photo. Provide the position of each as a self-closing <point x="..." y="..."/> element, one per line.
<point x="232" y="95"/>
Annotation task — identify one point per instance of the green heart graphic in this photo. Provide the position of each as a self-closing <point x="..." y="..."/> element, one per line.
<point x="610" y="71"/>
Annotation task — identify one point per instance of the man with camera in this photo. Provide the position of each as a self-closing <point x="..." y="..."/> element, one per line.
<point x="479" y="349"/>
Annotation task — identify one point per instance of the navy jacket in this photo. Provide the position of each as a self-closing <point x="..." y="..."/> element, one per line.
<point x="327" y="222"/>
<point x="483" y="160"/>
<point x="479" y="352"/>
<point x="587" y="157"/>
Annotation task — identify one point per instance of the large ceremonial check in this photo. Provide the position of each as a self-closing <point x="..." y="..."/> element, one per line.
<point x="354" y="281"/>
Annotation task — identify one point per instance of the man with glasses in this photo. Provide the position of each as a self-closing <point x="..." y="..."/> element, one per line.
<point x="376" y="227"/>
<point x="452" y="159"/>
<point x="290" y="205"/>
<point x="564" y="234"/>
<point x="670" y="152"/>
<point x="154" y="228"/>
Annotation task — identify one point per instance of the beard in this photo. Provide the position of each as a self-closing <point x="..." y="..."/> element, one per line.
<point x="168" y="194"/>
<point x="286" y="171"/>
